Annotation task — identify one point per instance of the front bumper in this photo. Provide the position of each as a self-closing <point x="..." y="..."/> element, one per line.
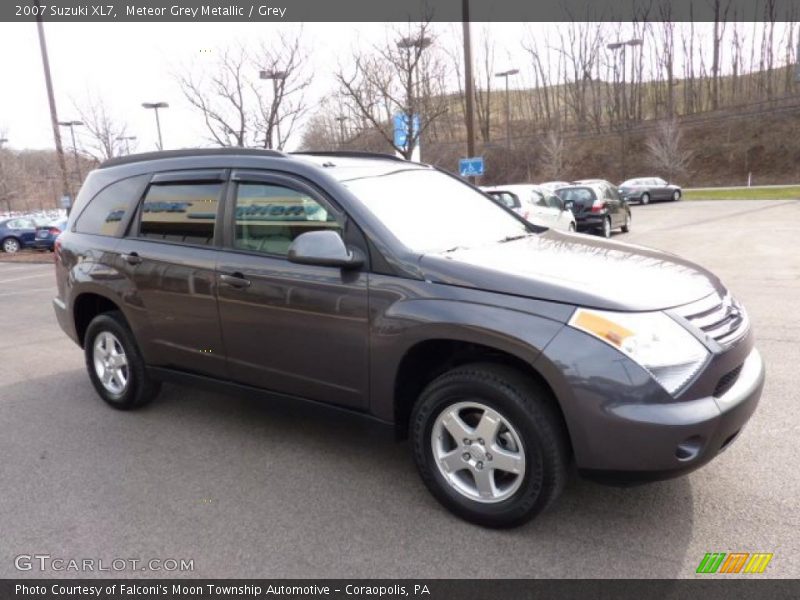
<point x="624" y="427"/>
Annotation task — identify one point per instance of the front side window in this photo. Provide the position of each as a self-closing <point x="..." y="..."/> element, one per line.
<point x="554" y="202"/>
<point x="270" y="216"/>
<point x="429" y="211"/>
<point x="180" y="212"/>
<point x="539" y="199"/>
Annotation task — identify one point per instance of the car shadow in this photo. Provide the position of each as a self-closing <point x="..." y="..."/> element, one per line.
<point x="209" y="475"/>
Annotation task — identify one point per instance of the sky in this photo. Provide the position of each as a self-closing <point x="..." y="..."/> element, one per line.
<point x="130" y="63"/>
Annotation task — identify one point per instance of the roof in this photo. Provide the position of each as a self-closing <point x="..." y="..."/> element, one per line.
<point x="188" y="153"/>
<point x="346" y="166"/>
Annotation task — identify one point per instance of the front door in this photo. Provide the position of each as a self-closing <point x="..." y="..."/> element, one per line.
<point x="295" y="329"/>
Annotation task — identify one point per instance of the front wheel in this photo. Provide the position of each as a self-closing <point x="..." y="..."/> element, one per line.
<point x="645" y="199"/>
<point x="676" y="195"/>
<point x="11" y="245"/>
<point x="116" y="367"/>
<point x="489" y="445"/>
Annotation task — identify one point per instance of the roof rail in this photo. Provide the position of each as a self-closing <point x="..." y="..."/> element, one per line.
<point x="189" y="152"/>
<point x="352" y="154"/>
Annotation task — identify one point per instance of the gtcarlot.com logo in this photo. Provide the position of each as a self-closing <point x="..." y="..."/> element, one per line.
<point x="734" y="562"/>
<point x="46" y="562"/>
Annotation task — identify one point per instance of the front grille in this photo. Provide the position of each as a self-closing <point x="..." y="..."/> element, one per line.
<point x="722" y="319"/>
<point x="726" y="381"/>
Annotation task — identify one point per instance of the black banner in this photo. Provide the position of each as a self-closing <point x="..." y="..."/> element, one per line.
<point x="439" y="589"/>
<point x="388" y="10"/>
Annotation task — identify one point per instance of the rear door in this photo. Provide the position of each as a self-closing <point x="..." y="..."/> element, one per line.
<point x="169" y="255"/>
<point x="296" y="329"/>
<point x="24" y="229"/>
<point x="664" y="193"/>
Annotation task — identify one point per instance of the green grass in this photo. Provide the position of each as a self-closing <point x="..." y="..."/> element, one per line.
<point x="790" y="192"/>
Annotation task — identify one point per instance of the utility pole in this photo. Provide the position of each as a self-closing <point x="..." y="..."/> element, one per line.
<point x="469" y="83"/>
<point x="341" y="119"/>
<point x="52" y="101"/>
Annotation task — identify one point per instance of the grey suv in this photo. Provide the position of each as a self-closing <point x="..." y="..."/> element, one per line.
<point x="507" y="352"/>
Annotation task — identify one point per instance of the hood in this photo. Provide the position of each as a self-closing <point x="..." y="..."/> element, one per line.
<point x="576" y="269"/>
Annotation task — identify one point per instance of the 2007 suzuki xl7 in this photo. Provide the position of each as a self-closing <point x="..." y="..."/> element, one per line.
<point x="505" y="351"/>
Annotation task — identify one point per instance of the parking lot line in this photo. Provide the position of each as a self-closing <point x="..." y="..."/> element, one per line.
<point x="48" y="274"/>
<point x="30" y="291"/>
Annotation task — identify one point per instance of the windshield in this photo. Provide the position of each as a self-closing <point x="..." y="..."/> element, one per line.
<point x="429" y="211"/>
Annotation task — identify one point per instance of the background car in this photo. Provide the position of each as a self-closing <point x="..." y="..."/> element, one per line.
<point x="536" y="205"/>
<point x="552" y="186"/>
<point x="46" y="235"/>
<point x="17" y="233"/>
<point x="645" y="189"/>
<point x="597" y="207"/>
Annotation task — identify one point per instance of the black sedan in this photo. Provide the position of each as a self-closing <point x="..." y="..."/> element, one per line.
<point x="645" y="189"/>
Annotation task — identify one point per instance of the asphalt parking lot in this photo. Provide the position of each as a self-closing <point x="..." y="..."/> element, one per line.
<point x="248" y="489"/>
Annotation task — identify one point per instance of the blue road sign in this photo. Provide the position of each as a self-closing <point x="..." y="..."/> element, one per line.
<point x="471" y="167"/>
<point x="401" y="129"/>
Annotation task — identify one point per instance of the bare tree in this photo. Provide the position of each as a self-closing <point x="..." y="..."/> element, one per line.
<point x="102" y="130"/>
<point x="230" y="95"/>
<point x="404" y="76"/>
<point x="554" y="155"/>
<point x="666" y="152"/>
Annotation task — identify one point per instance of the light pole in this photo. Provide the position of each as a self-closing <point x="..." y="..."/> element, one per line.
<point x="278" y="78"/>
<point x="506" y="74"/>
<point x="72" y="125"/>
<point x="624" y="118"/>
<point x="469" y="83"/>
<point x="127" y="139"/>
<point x="413" y="95"/>
<point x="155" y="106"/>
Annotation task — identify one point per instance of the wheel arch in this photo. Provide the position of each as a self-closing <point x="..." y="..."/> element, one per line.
<point x="86" y="306"/>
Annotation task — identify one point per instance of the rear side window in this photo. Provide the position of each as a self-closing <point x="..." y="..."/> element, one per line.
<point x="185" y="213"/>
<point x="108" y="209"/>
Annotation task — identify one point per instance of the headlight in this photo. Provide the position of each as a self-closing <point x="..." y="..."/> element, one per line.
<point x="671" y="354"/>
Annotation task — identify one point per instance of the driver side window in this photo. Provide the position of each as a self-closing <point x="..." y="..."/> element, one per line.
<point x="269" y="216"/>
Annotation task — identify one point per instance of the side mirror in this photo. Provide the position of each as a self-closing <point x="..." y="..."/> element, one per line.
<point x="323" y="248"/>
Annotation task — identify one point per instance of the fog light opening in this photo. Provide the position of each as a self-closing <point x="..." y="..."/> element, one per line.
<point x="689" y="448"/>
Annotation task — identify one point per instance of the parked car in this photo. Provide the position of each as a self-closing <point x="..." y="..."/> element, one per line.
<point x="597" y="207"/>
<point x="645" y="189"/>
<point x="17" y="233"/>
<point x="552" y="186"/>
<point x="400" y="293"/>
<point x="46" y="235"/>
<point x="535" y="204"/>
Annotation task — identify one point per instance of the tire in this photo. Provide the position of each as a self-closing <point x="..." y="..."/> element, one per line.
<point x="111" y="332"/>
<point x="531" y="430"/>
<point x="627" y="226"/>
<point x="645" y="199"/>
<point x="11" y="245"/>
<point x="676" y="195"/>
<point x="605" y="231"/>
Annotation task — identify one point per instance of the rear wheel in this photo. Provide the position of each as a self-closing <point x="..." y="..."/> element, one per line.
<point x="645" y="199"/>
<point x="605" y="230"/>
<point x="11" y="245"/>
<point x="489" y="445"/>
<point x="627" y="226"/>
<point x="676" y="195"/>
<point x="115" y="365"/>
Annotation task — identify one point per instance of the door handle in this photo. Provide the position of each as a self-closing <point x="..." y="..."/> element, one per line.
<point x="235" y="280"/>
<point x="132" y="259"/>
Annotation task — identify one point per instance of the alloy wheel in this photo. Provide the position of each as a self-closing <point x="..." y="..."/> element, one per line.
<point x="478" y="452"/>
<point x="110" y="363"/>
<point x="11" y="246"/>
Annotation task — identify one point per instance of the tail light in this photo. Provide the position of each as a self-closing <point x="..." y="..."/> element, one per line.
<point x="598" y="206"/>
<point x="54" y="231"/>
